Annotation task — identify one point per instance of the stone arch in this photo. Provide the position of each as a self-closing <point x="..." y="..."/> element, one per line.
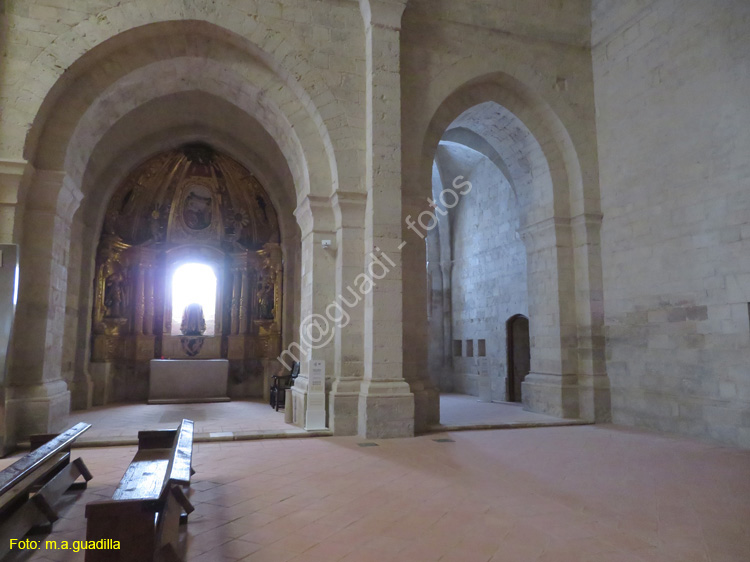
<point x="226" y="127"/>
<point x="93" y="109"/>
<point x="479" y="234"/>
<point x="115" y="103"/>
<point x="551" y="229"/>
<point x="477" y="142"/>
<point x="546" y="128"/>
<point x="176" y="51"/>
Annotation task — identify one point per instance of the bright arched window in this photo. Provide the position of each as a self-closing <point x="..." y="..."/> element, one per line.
<point x="194" y="283"/>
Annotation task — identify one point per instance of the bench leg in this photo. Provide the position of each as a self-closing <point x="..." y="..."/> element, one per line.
<point x="184" y="503"/>
<point x="83" y="469"/>
<point x="167" y="531"/>
<point x="25" y="518"/>
<point x="51" y="492"/>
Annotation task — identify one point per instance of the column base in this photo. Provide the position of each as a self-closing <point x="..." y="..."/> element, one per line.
<point x="426" y="405"/>
<point x="501" y="392"/>
<point x="386" y="410"/>
<point x="554" y="395"/>
<point x="102" y="379"/>
<point x="41" y="408"/>
<point x="595" y="402"/>
<point x="299" y="401"/>
<point x="81" y="392"/>
<point x="343" y="407"/>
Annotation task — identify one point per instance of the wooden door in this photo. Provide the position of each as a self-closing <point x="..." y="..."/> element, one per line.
<point x="519" y="355"/>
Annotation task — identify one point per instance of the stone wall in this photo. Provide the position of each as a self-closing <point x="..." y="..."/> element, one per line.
<point x="319" y="45"/>
<point x="672" y="81"/>
<point x="532" y="60"/>
<point x="489" y="270"/>
<point x="354" y="111"/>
<point x="87" y="90"/>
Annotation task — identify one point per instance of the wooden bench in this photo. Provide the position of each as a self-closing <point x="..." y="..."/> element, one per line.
<point x="150" y="502"/>
<point x="31" y="486"/>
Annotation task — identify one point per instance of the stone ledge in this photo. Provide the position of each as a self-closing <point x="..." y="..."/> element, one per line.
<point x="509" y="425"/>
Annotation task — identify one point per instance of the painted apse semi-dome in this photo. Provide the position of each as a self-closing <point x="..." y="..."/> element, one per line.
<point x="192" y="195"/>
<point x="190" y="206"/>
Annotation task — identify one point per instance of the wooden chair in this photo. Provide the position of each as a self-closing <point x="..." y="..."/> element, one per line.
<point x="151" y="501"/>
<point x="280" y="384"/>
<point x="31" y="486"/>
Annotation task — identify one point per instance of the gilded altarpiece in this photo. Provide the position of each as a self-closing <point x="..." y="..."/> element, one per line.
<point x="189" y="205"/>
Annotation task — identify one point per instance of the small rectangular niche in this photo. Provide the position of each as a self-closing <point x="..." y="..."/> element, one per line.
<point x="469" y="348"/>
<point x="457" y="349"/>
<point x="482" y="348"/>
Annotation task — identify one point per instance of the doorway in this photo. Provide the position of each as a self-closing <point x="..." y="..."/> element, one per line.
<point x="519" y="355"/>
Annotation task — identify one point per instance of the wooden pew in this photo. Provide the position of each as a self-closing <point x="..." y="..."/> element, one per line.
<point x="150" y="502"/>
<point x="31" y="486"/>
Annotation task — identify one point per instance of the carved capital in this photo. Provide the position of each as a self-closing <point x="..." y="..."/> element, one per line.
<point x="544" y="233"/>
<point x="382" y="13"/>
<point x="11" y="172"/>
<point x="349" y="209"/>
<point x="315" y="214"/>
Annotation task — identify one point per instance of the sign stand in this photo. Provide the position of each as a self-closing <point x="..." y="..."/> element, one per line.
<point x="315" y="418"/>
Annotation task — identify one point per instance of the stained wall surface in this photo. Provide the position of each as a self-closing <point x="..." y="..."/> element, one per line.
<point x="673" y="128"/>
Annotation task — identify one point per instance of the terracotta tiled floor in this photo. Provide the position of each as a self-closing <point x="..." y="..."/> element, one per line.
<point x="463" y="410"/>
<point x="558" y="494"/>
<point x="248" y="417"/>
<point x="125" y="420"/>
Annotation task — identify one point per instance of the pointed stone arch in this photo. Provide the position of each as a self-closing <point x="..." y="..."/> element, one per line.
<point x="119" y="74"/>
<point x="118" y="104"/>
<point x="560" y="229"/>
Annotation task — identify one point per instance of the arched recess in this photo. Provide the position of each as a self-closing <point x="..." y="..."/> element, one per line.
<point x="191" y="206"/>
<point x="138" y="93"/>
<point x="567" y="369"/>
<point x="482" y="261"/>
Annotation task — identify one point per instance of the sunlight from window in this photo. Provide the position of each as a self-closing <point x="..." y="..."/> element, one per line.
<point x="194" y="283"/>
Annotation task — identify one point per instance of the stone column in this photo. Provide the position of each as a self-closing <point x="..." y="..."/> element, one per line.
<point x="140" y="299"/>
<point x="244" y="301"/>
<point x="386" y="404"/>
<point x="446" y="270"/>
<point x="234" y="327"/>
<point x="552" y="385"/>
<point x="8" y="286"/>
<point x="593" y="382"/>
<point x="11" y="205"/>
<point x="38" y="399"/>
<point x="348" y="368"/>
<point x="148" y="321"/>
<point x="290" y="289"/>
<point x="436" y="353"/>
<point x="415" y="323"/>
<point x="78" y="323"/>
<point x="317" y="290"/>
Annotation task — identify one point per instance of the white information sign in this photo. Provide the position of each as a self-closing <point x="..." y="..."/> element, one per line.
<point x="316" y="396"/>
